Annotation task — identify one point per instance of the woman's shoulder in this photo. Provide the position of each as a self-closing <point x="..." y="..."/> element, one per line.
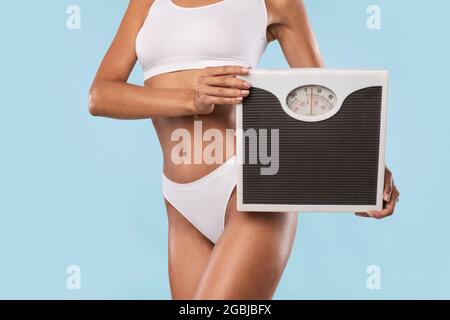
<point x="139" y="8"/>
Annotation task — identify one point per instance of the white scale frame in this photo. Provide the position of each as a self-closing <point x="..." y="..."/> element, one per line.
<point x="343" y="82"/>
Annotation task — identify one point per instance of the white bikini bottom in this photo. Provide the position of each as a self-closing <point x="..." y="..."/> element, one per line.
<point x="203" y="202"/>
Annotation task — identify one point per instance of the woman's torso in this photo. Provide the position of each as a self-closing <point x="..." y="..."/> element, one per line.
<point x="174" y="45"/>
<point x="222" y="118"/>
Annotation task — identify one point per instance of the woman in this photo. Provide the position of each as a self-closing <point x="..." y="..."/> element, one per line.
<point x="191" y="52"/>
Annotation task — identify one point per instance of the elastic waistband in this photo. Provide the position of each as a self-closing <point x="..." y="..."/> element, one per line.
<point x="230" y="166"/>
<point x="170" y="65"/>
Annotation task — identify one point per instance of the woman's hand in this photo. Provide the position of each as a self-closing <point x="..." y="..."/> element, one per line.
<point x="390" y="196"/>
<point x="219" y="85"/>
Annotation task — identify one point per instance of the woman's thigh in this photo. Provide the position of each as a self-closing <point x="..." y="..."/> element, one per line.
<point x="250" y="256"/>
<point x="189" y="252"/>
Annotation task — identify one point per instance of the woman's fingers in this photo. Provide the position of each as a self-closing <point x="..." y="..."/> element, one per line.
<point x="388" y="185"/>
<point x="362" y="214"/>
<point x="219" y="85"/>
<point x="226" y="70"/>
<point x="230" y="82"/>
<point x="224" y="92"/>
<point x="388" y="209"/>
<point x="212" y="100"/>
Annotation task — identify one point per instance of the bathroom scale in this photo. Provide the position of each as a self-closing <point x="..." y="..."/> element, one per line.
<point x="312" y="140"/>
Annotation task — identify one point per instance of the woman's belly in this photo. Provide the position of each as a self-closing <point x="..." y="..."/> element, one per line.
<point x="194" y="145"/>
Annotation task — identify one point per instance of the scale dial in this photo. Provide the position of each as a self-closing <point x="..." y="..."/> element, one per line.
<point x="312" y="101"/>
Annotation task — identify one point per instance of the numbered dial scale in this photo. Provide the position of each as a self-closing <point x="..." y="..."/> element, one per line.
<point x="324" y="134"/>
<point x="312" y="100"/>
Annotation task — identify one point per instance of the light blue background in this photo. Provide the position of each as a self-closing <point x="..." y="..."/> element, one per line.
<point x="86" y="191"/>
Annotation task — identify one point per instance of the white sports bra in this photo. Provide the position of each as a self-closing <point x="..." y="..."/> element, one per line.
<point x="229" y="32"/>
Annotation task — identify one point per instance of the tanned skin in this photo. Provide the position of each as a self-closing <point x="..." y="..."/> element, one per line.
<point x="248" y="260"/>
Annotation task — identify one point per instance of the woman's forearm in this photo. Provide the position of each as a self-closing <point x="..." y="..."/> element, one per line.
<point x="119" y="100"/>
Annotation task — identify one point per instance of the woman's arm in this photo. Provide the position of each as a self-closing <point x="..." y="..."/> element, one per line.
<point x="290" y="26"/>
<point x="110" y="94"/>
